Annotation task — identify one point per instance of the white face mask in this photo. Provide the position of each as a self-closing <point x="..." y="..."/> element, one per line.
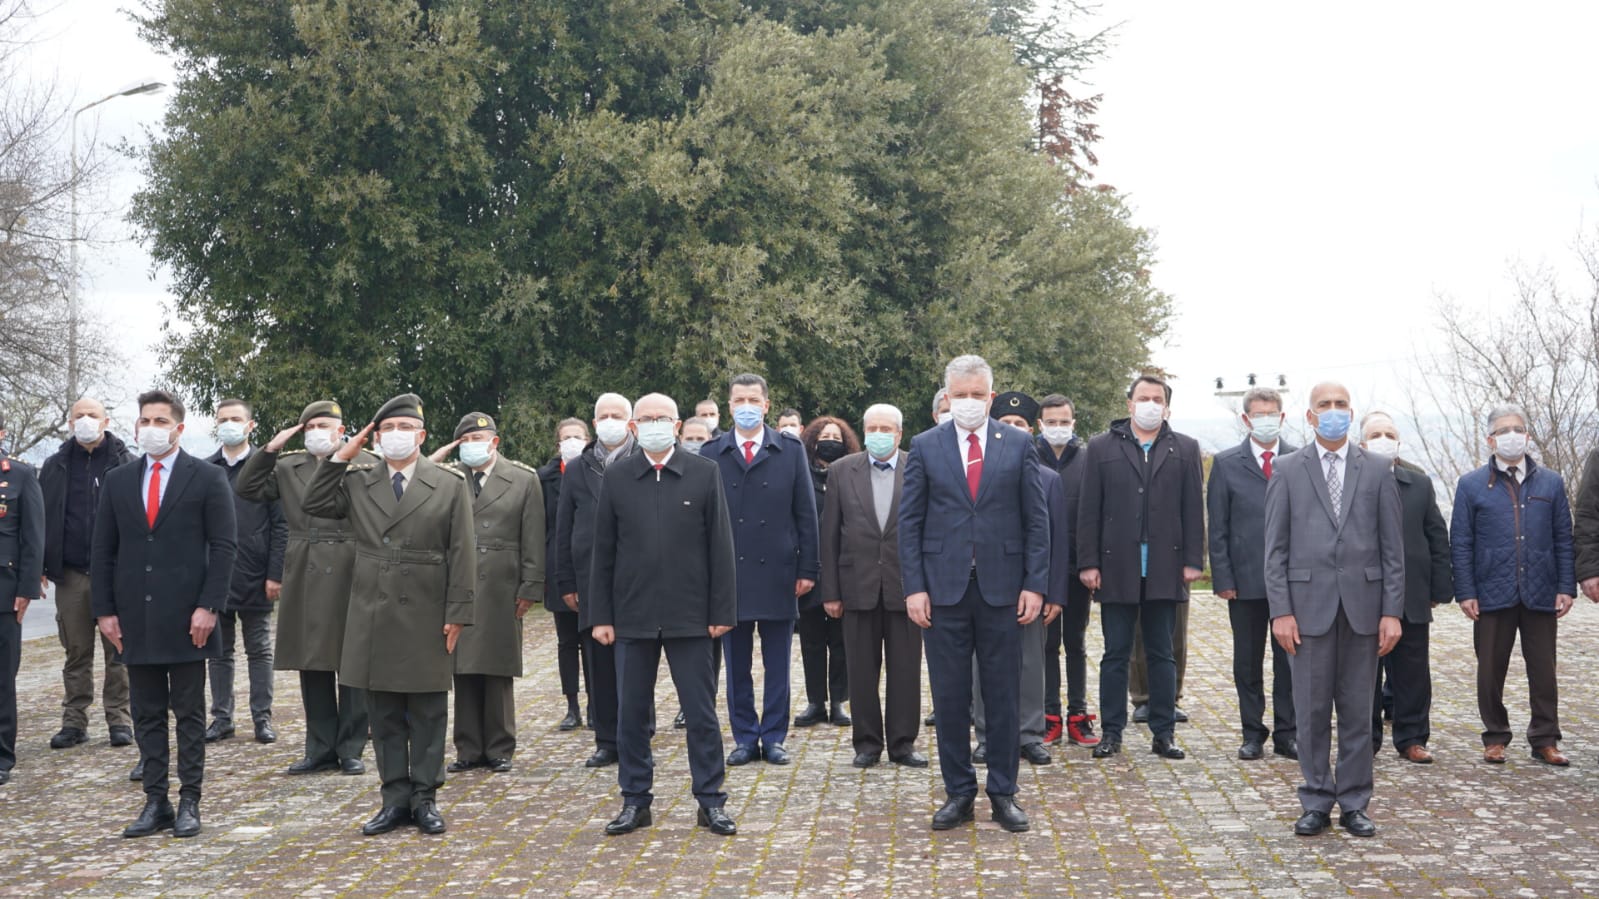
<point x="969" y="412"/>
<point x="1148" y="414"/>
<point x="86" y="429"/>
<point x="1059" y="435"/>
<point x="321" y="442"/>
<point x="231" y="433"/>
<point x="943" y="417"/>
<point x="791" y="429"/>
<point x="155" y="441"/>
<point x="571" y="448"/>
<point x="397" y="446"/>
<point x="1511" y="446"/>
<point x="610" y="431"/>
<point x="1383" y="446"/>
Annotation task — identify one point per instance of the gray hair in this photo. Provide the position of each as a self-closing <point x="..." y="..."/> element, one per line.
<point x="614" y="397"/>
<point x="939" y="397"/>
<point x="1264" y="395"/>
<point x="884" y="409"/>
<point x="1505" y="410"/>
<point x="1377" y="414"/>
<point x="962" y="366"/>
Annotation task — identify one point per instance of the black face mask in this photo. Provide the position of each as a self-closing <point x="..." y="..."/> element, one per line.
<point x="830" y="450"/>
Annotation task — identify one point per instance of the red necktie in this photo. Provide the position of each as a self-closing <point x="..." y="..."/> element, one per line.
<point x="152" y="502"/>
<point x="749" y="452"/>
<point x="1265" y="463"/>
<point x="974" y="464"/>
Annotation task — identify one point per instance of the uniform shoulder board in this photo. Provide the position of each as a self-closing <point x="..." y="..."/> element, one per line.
<point x="361" y="466"/>
<point x="523" y="466"/>
<point x="453" y="470"/>
<point x="290" y="452"/>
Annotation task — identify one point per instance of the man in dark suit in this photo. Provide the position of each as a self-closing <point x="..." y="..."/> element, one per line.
<point x="767" y="481"/>
<point x="974" y="555"/>
<point x="1429" y="580"/>
<point x="1335" y="582"/>
<point x="21" y="573"/>
<point x="1140" y="543"/>
<point x="1237" y="502"/>
<point x="572" y="437"/>
<point x="1061" y="451"/>
<point x="574" y="554"/>
<point x="162" y="562"/>
<point x="663" y="581"/>
<point x="860" y="581"/>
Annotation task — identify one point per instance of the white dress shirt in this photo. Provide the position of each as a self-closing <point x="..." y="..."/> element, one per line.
<point x="1261" y="450"/>
<point x="1341" y="463"/>
<point x="759" y="437"/>
<point x="166" y="477"/>
<point x="1521" y="469"/>
<point x="963" y="444"/>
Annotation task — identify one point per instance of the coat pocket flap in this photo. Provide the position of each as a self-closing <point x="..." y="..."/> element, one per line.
<point x="1298" y="574"/>
<point x="1373" y="574"/>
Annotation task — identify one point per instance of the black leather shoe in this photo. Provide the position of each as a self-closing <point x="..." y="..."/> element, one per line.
<point x="312" y="766"/>
<point x="264" y="732"/>
<point x="716" y="821"/>
<point x="680" y="722"/>
<point x="137" y="774"/>
<point x="1108" y="746"/>
<point x="1357" y="824"/>
<point x="632" y="818"/>
<point x="570" y="722"/>
<point x="866" y="759"/>
<point x="428" y="819"/>
<point x="121" y="735"/>
<point x="386" y="820"/>
<point x="459" y="765"/>
<point x="1288" y="749"/>
<point x="775" y="754"/>
<point x="957" y="810"/>
<point x="1180" y="716"/>
<point x="601" y="758"/>
<point x="980" y="755"/>
<point x="498" y="766"/>
<point x="1166" y="748"/>
<point x="912" y="759"/>
<point x="187" y="823"/>
<point x="157" y="815"/>
<point x="1036" y="754"/>
<point x="352" y="766"/>
<point x="68" y="737"/>
<point x="1312" y="824"/>
<point x="838" y="716"/>
<point x="742" y="755"/>
<point x="218" y="731"/>
<point x="1251" y="751"/>
<point x="813" y="714"/>
<point x="1141" y="714"/>
<point x="1009" y="815"/>
<point x="929" y="721"/>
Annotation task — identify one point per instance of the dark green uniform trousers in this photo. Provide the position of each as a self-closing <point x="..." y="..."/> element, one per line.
<point x="485" y="717"/>
<point x="408" y="739"/>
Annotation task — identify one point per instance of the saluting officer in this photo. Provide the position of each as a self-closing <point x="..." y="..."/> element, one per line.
<point x="508" y="513"/>
<point x="21" y="567"/>
<point x="415" y="569"/>
<point x="317" y="569"/>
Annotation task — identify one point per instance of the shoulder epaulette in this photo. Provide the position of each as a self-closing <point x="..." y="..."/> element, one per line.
<point x="289" y="453"/>
<point x="361" y="466"/>
<point x="453" y="470"/>
<point x="523" y="466"/>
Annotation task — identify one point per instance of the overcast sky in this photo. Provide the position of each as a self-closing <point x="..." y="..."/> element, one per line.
<point x="1315" y="174"/>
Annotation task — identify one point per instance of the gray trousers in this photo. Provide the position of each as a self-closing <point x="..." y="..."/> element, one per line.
<point x="1030" y="698"/>
<point x="1335" y="670"/>
<point x="76" y="627"/>
<point x="258" y="649"/>
<point x="1138" y="676"/>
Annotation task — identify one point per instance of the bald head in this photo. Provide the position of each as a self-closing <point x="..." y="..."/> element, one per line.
<point x="1330" y="391"/>
<point x="88" y="406"/>
<point x="654" y="405"/>
<point x="88" y="421"/>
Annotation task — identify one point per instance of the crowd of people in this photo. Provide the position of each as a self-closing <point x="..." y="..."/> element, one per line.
<point x="977" y="549"/>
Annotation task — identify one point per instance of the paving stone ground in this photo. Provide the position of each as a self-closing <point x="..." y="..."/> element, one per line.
<point x="1132" y="826"/>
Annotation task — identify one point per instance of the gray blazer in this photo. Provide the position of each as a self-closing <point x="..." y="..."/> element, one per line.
<point x="1316" y="563"/>
<point x="860" y="561"/>
<point x="1236" y="499"/>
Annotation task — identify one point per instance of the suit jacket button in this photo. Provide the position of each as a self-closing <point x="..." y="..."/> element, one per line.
<point x="385" y="539"/>
<point x="147" y="599"/>
<point x="149" y="568"/>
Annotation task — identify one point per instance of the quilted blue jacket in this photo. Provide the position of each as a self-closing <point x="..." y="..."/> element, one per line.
<point x="1511" y="545"/>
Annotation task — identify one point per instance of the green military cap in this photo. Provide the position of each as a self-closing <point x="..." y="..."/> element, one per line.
<point x="406" y="405"/>
<point x="475" y="421"/>
<point x="322" y="409"/>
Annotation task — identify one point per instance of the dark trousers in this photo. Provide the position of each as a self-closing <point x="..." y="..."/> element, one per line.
<point x="408" y="740"/>
<point x="694" y="675"/>
<point x="823" y="655"/>
<point x="568" y="652"/>
<point x="1119" y="621"/>
<point x="153" y="689"/>
<point x="601" y="666"/>
<point x="1334" y="672"/>
<point x="1495" y="636"/>
<point x="969" y="627"/>
<point x="335" y="717"/>
<point x="1251" y="621"/>
<point x="485" y="717"/>
<point x="1138" y="679"/>
<point x="258" y="649"/>
<point x="1068" y="632"/>
<point x="1408" y="674"/>
<point x="10" y="663"/>
<point x="875" y="640"/>
<point x="777" y="646"/>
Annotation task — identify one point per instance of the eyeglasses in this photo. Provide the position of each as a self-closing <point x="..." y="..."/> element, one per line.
<point x="398" y="426"/>
<point x="1510" y="429"/>
<point x="655" y="419"/>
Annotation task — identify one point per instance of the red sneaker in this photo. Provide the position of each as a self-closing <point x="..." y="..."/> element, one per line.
<point x="1080" y="730"/>
<point x="1052" y="729"/>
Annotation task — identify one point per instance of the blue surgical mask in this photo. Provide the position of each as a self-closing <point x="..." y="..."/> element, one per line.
<point x="476" y="453"/>
<point x="656" y="436"/>
<point x="693" y="446"/>
<point x="880" y="444"/>
<point x="747" y="418"/>
<point x="1333" y="424"/>
<point x="231" y="433"/>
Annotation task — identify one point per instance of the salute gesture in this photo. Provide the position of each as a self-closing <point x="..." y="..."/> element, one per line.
<point x="281" y="439"/>
<point x="352" y="447"/>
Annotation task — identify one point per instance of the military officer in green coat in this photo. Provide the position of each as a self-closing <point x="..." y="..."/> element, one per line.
<point x="317" y="569"/>
<point x="508" y="518"/>
<point x="415" y="571"/>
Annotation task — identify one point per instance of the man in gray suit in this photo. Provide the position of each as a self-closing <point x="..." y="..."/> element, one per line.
<point x="1335" y="582"/>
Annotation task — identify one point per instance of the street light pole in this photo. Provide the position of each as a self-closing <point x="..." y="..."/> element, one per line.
<point x="140" y="87"/>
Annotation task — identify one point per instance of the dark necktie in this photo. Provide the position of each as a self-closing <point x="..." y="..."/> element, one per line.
<point x="1514" y="477"/>
<point x="477" y="482"/>
<point x="882" y="466"/>
<point x="399" y="486"/>
<point x="1265" y="463"/>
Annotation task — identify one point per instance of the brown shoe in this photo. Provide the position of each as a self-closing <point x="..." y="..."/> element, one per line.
<point x="1418" y="753"/>
<point x="1550" y="755"/>
<point x="1494" y="755"/>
